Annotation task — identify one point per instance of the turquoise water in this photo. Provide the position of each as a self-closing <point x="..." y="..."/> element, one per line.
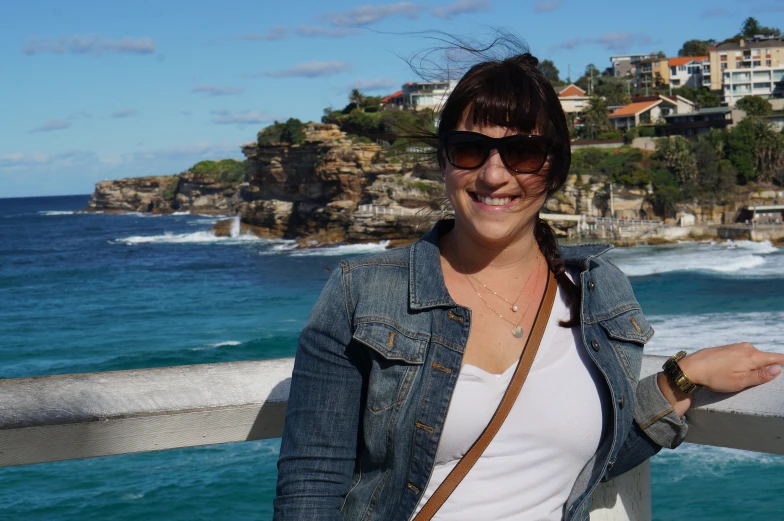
<point x="91" y="292"/>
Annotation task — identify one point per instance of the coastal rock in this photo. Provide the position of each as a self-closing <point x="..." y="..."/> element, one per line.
<point x="313" y="190"/>
<point x="137" y="194"/>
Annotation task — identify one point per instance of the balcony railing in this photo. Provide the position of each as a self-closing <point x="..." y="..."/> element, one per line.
<point x="64" y="417"/>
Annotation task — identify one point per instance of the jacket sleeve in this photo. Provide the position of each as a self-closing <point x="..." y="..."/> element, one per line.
<point x="319" y="445"/>
<point x="656" y="425"/>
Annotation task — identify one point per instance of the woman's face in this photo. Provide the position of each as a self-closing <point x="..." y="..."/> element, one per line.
<point x="493" y="204"/>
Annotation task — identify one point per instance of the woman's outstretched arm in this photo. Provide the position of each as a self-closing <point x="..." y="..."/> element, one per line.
<point x="723" y="369"/>
<point x="319" y="446"/>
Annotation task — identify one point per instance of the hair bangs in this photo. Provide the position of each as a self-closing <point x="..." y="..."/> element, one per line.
<point x="509" y="100"/>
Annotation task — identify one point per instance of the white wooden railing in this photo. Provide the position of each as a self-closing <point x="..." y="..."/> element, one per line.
<point x="63" y="417"/>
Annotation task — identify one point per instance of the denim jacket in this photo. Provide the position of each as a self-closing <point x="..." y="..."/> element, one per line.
<point x="376" y="366"/>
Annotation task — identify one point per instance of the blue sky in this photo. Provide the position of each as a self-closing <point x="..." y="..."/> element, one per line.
<point x="93" y="90"/>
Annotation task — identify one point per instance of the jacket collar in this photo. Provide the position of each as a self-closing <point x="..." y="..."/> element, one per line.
<point x="426" y="288"/>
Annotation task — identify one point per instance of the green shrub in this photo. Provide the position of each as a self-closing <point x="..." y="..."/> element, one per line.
<point x="647" y="132"/>
<point x="228" y="170"/>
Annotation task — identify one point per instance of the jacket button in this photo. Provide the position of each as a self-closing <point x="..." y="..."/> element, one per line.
<point x="590" y="284"/>
<point x="595" y="344"/>
<point x="621" y="402"/>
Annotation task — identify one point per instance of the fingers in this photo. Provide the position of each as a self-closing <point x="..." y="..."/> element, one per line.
<point x="764" y="374"/>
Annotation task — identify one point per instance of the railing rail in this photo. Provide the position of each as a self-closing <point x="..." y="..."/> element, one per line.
<point x="65" y="417"/>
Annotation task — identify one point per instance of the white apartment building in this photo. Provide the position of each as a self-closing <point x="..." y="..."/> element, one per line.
<point x="690" y="71"/>
<point x="765" y="82"/>
<point x="427" y="95"/>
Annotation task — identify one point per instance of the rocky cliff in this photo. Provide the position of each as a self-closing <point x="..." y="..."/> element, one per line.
<point x="206" y="188"/>
<point x="318" y="190"/>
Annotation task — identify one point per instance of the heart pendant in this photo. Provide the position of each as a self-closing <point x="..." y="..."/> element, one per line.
<point x="517" y="332"/>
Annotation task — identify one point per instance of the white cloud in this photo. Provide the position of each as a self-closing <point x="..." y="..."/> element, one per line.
<point x="51" y="125"/>
<point x="248" y="117"/>
<point x="372" y="84"/>
<point x="462" y="7"/>
<point x="20" y="160"/>
<point x="94" y="45"/>
<point x="621" y="41"/>
<point x="309" y="31"/>
<point x="313" y="69"/>
<point x="124" y="113"/>
<point x="214" y="90"/>
<point x="368" y="14"/>
<point x="546" y="6"/>
<point x="278" y="32"/>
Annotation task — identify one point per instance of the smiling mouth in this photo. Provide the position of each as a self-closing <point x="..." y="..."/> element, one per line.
<point x="492" y="201"/>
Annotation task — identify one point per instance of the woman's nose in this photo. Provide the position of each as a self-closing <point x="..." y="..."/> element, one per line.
<point x="494" y="171"/>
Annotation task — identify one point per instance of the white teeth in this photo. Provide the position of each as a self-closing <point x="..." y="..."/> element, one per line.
<point x="494" y="201"/>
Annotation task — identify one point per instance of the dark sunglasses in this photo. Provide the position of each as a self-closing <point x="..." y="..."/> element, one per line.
<point x="522" y="153"/>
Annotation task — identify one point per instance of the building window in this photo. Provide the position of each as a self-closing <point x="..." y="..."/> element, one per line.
<point x="767" y="63"/>
<point x="756" y="63"/>
<point x="681" y="68"/>
<point x="724" y="65"/>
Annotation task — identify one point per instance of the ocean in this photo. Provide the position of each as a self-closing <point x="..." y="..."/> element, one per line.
<point x="86" y="292"/>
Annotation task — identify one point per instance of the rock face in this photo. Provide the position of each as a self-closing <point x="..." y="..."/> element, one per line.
<point x="319" y="190"/>
<point x="186" y="192"/>
<point x="136" y="194"/>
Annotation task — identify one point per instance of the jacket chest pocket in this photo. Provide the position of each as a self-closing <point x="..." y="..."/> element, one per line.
<point x="395" y="356"/>
<point x="628" y="333"/>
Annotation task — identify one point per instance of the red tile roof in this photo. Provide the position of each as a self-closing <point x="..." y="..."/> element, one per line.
<point x="673" y="62"/>
<point x="391" y="96"/>
<point x="571" y="90"/>
<point x="634" y="108"/>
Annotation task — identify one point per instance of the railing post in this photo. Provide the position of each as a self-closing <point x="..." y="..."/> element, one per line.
<point x="625" y="498"/>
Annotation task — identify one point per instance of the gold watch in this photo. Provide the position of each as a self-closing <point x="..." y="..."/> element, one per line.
<point x="676" y="374"/>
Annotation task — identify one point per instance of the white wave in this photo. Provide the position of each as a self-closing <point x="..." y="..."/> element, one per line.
<point x="186" y="238"/>
<point x="217" y="344"/>
<point x="691" y="461"/>
<point x="741" y="258"/>
<point x="58" y="212"/>
<point x="181" y="213"/>
<point x="342" y="250"/>
<point x="692" y="332"/>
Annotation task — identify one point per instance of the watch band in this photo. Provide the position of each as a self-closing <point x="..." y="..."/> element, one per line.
<point x="676" y="374"/>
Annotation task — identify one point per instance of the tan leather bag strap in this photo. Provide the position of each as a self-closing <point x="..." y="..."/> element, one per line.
<point x="465" y="464"/>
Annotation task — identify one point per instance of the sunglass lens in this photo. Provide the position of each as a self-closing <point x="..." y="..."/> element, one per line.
<point x="525" y="154"/>
<point x="466" y="151"/>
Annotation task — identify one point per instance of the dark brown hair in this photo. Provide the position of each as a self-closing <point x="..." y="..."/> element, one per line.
<point x="512" y="92"/>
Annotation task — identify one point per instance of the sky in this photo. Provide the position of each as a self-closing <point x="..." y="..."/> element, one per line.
<point x="94" y="90"/>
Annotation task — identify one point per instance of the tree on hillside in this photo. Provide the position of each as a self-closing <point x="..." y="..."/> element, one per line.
<point x="716" y="177"/>
<point x="596" y="117"/>
<point x="661" y="55"/>
<point x="751" y="27"/>
<point x="676" y="153"/>
<point x="548" y="68"/>
<point x="768" y="150"/>
<point x="614" y="91"/>
<point x="355" y="98"/>
<point x="694" y="48"/>
<point x="702" y="97"/>
<point x="754" y="105"/>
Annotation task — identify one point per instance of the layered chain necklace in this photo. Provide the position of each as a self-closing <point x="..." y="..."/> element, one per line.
<point x="517" y="330"/>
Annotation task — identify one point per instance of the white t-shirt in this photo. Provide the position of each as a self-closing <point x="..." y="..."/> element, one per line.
<point x="552" y="431"/>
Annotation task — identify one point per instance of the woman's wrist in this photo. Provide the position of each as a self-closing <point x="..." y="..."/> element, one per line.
<point x="680" y="401"/>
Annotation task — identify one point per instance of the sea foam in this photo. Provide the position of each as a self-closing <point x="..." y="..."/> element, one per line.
<point x="186" y="238"/>
<point x="740" y="258"/>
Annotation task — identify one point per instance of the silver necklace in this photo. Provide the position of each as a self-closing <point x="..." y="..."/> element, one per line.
<point x="513" y="305"/>
<point x="517" y="331"/>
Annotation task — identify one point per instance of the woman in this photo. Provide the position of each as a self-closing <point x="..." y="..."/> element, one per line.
<point x="407" y="353"/>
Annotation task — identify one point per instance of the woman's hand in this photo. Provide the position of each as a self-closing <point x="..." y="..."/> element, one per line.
<point x="724" y="369"/>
